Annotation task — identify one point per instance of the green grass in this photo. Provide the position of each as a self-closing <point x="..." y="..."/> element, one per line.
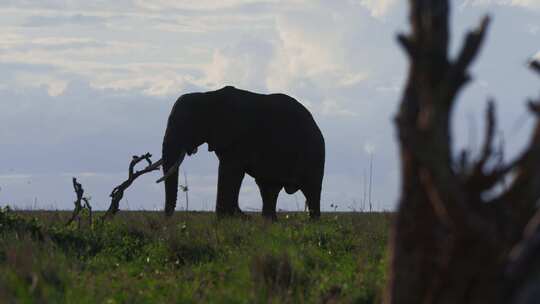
<point x="142" y="257"/>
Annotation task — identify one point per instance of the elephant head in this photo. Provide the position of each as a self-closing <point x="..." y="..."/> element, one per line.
<point x="185" y="131"/>
<point x="195" y="119"/>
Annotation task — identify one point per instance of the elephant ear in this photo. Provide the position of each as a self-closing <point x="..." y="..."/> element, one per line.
<point x="229" y="124"/>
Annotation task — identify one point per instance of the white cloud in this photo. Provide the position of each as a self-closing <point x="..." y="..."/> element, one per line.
<point x="15" y="176"/>
<point x="160" y="5"/>
<point x="153" y="81"/>
<point x="353" y="79"/>
<point x="299" y="56"/>
<point x="90" y="58"/>
<point x="369" y="148"/>
<point x="302" y="54"/>
<point x="217" y="68"/>
<point x="333" y="107"/>
<point x="534" y="29"/>
<point x="55" y="86"/>
<point x="525" y="3"/>
<point x="244" y="63"/>
<point x="10" y="39"/>
<point x="208" y="24"/>
<point x="532" y="4"/>
<point x="379" y="8"/>
<point x="290" y="53"/>
<point x="66" y="57"/>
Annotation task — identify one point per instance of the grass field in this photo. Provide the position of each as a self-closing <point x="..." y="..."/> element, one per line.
<point x="141" y="257"/>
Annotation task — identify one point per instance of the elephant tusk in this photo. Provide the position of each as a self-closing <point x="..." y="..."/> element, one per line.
<point x="171" y="171"/>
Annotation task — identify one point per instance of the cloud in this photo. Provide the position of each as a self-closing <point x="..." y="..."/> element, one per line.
<point x="160" y="5"/>
<point x="72" y="55"/>
<point x="379" y="8"/>
<point x="333" y="107"/>
<point x="149" y="79"/>
<point x="211" y="23"/>
<point x="12" y="41"/>
<point x="524" y="3"/>
<point x="300" y="55"/>
<point x="244" y="64"/>
<point x="15" y="176"/>
<point x="534" y="29"/>
<point x="55" y="86"/>
<point x="369" y="148"/>
<point x="312" y="63"/>
<point x="289" y="56"/>
<point x="92" y="59"/>
<point x="353" y="79"/>
<point x="58" y="20"/>
<point x="529" y="4"/>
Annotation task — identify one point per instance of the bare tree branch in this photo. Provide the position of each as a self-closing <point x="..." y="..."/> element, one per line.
<point x="487" y="149"/>
<point x="479" y="180"/>
<point x="471" y="47"/>
<point x="519" y="200"/>
<point x="535" y="66"/>
<point x="407" y="45"/>
<point x="118" y="192"/>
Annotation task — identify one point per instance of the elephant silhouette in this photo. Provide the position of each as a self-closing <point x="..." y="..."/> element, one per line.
<point x="271" y="137"/>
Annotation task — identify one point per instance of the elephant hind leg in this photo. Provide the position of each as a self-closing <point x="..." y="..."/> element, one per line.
<point x="269" y="194"/>
<point x="313" y="200"/>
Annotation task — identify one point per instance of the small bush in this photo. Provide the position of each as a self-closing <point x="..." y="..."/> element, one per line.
<point x="184" y="250"/>
<point x="275" y="278"/>
<point x="31" y="272"/>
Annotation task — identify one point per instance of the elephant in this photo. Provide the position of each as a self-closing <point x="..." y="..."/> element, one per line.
<point x="271" y="137"/>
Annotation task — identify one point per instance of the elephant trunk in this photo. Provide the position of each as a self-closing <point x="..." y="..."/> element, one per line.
<point x="173" y="155"/>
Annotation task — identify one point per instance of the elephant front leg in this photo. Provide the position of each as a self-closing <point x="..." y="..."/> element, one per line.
<point x="230" y="178"/>
<point x="269" y="195"/>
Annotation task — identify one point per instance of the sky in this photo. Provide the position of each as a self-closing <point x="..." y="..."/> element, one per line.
<point x="84" y="85"/>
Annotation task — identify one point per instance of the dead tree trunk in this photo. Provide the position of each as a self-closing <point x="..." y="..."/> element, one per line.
<point x="79" y="192"/>
<point x="450" y="242"/>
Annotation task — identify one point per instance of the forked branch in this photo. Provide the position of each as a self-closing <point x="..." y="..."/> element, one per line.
<point x="118" y="192"/>
<point x="520" y="198"/>
<point x="470" y="48"/>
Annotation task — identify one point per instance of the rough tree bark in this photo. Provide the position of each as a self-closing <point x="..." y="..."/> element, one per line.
<point x="450" y="242"/>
